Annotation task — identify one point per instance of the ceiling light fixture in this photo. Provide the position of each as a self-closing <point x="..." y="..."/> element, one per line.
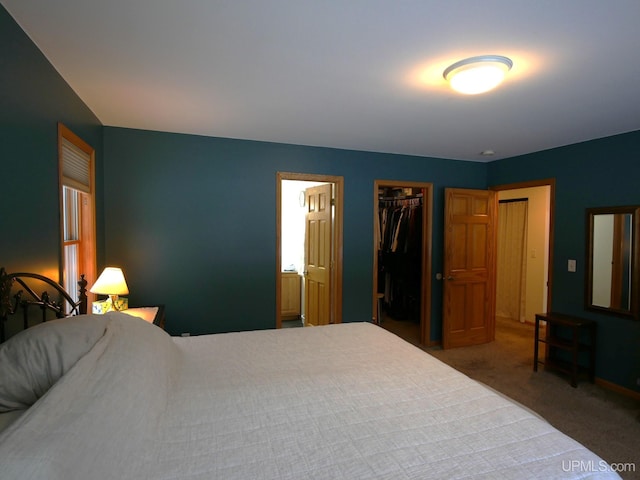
<point x="477" y="74"/>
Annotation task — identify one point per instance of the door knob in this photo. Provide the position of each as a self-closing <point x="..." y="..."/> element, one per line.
<point x="450" y="278"/>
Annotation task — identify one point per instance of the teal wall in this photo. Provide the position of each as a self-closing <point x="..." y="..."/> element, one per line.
<point x="192" y="219"/>
<point x="33" y="99"/>
<point x="599" y="173"/>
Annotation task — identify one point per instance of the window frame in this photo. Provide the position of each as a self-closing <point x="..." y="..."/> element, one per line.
<point x="87" y="262"/>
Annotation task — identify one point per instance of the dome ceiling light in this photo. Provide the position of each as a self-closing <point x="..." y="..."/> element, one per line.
<point x="477" y="74"/>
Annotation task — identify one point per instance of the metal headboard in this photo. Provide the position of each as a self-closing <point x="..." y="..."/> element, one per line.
<point x="60" y="302"/>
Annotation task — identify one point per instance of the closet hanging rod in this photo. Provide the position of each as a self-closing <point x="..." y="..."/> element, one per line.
<point x="404" y="197"/>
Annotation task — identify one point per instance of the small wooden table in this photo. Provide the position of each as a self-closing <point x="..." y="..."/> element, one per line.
<point x="573" y="344"/>
<point x="153" y="314"/>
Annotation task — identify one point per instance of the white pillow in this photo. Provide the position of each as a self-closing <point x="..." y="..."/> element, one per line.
<point x="34" y="359"/>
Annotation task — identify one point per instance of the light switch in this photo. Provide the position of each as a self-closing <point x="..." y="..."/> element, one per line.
<point x="571" y="265"/>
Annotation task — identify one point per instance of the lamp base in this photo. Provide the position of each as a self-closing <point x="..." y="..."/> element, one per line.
<point x="105" y="306"/>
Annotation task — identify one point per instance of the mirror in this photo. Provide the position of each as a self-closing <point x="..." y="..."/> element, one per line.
<point x="613" y="262"/>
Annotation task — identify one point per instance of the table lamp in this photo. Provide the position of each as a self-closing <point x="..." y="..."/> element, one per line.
<point x="110" y="282"/>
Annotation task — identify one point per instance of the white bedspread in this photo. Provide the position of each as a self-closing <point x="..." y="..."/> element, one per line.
<point x="344" y="401"/>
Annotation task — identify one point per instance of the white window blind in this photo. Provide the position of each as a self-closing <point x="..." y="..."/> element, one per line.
<point x="76" y="167"/>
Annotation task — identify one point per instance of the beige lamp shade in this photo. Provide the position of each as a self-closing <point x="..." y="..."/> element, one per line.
<point x="110" y="282"/>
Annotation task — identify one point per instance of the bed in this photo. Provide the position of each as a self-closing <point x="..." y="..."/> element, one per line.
<point x="115" y="397"/>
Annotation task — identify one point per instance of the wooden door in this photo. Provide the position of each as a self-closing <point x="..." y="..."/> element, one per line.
<point x="469" y="267"/>
<point x="317" y="273"/>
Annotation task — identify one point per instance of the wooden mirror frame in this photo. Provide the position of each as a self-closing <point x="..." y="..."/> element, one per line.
<point x="634" y="287"/>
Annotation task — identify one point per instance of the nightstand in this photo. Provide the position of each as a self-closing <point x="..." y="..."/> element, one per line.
<point x="153" y="314"/>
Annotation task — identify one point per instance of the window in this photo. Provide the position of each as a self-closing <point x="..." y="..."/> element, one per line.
<point x="77" y="207"/>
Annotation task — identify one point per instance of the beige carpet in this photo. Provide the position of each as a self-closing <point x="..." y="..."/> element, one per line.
<point x="604" y="421"/>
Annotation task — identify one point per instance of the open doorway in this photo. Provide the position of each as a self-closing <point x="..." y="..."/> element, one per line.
<point x="475" y="322"/>
<point x="308" y="282"/>
<point x="525" y="250"/>
<point x="402" y="258"/>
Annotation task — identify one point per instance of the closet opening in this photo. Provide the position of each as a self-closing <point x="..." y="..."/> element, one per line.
<point x="402" y="259"/>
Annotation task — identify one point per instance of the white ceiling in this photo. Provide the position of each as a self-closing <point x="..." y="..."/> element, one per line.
<point x="354" y="74"/>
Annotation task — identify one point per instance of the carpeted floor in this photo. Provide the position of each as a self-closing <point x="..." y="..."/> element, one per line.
<point x="606" y="422"/>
